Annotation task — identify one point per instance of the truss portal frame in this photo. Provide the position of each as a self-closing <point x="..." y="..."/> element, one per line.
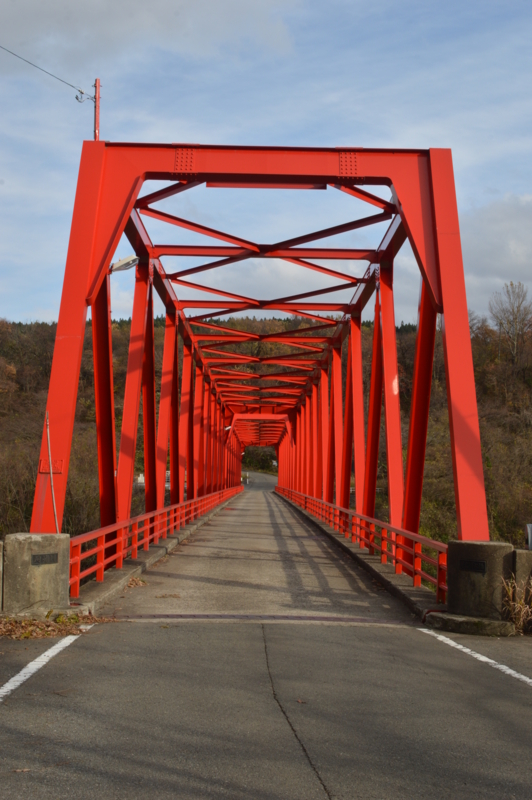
<point x="294" y="401"/>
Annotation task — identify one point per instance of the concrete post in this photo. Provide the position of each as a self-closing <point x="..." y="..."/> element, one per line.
<point x="36" y="573"/>
<point x="475" y="578"/>
<point x="522" y="569"/>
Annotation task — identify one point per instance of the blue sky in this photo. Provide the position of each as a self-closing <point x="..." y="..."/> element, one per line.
<point x="272" y="72"/>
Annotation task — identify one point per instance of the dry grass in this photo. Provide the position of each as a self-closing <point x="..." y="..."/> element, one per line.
<point x="518" y="604"/>
<point x="71" y="625"/>
<point x="133" y="582"/>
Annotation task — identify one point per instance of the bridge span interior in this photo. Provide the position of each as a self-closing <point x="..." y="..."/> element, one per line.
<point x="227" y="394"/>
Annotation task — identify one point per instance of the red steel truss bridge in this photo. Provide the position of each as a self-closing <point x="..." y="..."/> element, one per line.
<point x="223" y="399"/>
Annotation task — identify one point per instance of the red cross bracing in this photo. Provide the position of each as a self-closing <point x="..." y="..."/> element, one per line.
<point x="222" y="399"/>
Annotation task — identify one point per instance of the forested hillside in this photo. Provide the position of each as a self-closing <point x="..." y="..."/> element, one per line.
<point x="502" y="352"/>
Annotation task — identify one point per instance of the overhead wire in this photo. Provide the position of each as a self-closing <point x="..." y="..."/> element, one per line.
<point x="84" y="95"/>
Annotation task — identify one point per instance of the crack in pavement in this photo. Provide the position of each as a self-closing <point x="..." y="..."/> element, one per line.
<point x="287" y="718"/>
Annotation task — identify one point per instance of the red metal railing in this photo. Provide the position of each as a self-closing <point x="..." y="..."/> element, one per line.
<point x="112" y="544"/>
<point x="392" y="543"/>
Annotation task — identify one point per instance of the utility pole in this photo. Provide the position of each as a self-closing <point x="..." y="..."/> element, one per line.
<point x="97" y="110"/>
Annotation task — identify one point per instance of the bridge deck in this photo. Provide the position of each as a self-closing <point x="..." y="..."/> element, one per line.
<point x="257" y="557"/>
<point x="346" y="699"/>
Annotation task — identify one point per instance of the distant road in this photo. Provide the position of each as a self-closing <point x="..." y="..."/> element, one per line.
<point x="260" y="481"/>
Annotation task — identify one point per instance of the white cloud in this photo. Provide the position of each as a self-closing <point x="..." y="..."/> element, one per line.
<point x="497" y="248"/>
<point x="81" y="35"/>
<point x="274" y="72"/>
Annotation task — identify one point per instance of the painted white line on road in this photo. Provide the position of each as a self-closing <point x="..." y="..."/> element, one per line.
<point x="35" y="666"/>
<point x="485" y="660"/>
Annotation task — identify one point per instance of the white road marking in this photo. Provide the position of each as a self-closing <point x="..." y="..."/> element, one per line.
<point x="36" y="665"/>
<point x="485" y="660"/>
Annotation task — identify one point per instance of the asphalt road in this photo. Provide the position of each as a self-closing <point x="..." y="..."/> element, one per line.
<point x="259" y="662"/>
<point x="260" y="481"/>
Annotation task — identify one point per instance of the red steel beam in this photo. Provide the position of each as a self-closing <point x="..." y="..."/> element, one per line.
<point x="104" y="403"/>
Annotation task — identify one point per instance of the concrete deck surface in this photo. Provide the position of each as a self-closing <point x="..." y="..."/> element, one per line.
<point x="259" y="662"/>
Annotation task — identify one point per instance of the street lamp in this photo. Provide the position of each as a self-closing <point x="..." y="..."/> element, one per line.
<point x="124" y="263"/>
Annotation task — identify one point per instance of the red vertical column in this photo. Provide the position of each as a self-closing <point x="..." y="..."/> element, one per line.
<point x="328" y="487"/>
<point x="298" y="452"/>
<point x="290" y="482"/>
<point x="175" y="497"/>
<point x="313" y="489"/>
<point x="358" y="411"/>
<point x="209" y="449"/>
<point x="374" y="417"/>
<point x="288" y="456"/>
<point x="206" y="420"/>
<point x="165" y="405"/>
<point x="347" y="445"/>
<point x="149" y="411"/>
<point x="226" y="445"/>
<point x="419" y="410"/>
<point x="212" y="436"/>
<point x="310" y="447"/>
<point x="104" y="402"/>
<point x="130" y="413"/>
<point x="213" y="442"/>
<point x="304" y="446"/>
<point x="460" y="379"/>
<point x="323" y="432"/>
<point x="198" y="433"/>
<point x="301" y="449"/>
<point x="223" y="446"/>
<point x="392" y="411"/>
<point x="186" y="458"/>
<point x="290" y="451"/>
<point x="217" y="467"/>
<point x="336" y="373"/>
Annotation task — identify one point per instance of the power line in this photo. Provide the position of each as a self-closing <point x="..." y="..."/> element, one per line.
<point x="80" y="99"/>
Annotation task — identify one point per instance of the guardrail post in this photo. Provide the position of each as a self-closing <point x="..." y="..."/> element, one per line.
<point x="399" y="554"/>
<point x="75" y="567"/>
<point x="119" y="548"/>
<point x="371" y="539"/>
<point x="100" y="555"/>
<point x="384" y="545"/>
<point x="417" y="564"/>
<point x="134" y="540"/>
<point x="146" y="530"/>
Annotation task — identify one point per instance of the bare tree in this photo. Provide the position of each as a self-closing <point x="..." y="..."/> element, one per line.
<point x="476" y="322"/>
<point x="511" y="312"/>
